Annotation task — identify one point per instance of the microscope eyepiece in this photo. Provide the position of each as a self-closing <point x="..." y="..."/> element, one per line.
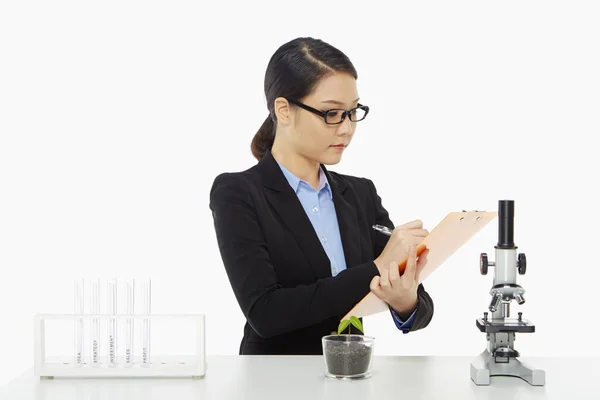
<point x="506" y="216"/>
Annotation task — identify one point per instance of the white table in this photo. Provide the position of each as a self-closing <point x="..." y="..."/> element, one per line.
<point x="301" y="377"/>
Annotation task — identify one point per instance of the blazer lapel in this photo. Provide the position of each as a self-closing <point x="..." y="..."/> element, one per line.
<point x="345" y="208"/>
<point x="285" y="202"/>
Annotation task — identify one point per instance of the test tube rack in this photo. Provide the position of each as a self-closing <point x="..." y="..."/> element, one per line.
<point x="191" y="365"/>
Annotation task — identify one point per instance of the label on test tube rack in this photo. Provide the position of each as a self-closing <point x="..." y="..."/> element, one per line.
<point x="95" y="329"/>
<point x="146" y="296"/>
<point x="111" y="308"/>
<point x="79" y="309"/>
<point x="129" y="296"/>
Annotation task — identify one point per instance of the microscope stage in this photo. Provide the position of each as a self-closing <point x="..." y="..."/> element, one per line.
<point x="504" y="325"/>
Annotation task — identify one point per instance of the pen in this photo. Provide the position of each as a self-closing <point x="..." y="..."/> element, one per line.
<point x="383" y="229"/>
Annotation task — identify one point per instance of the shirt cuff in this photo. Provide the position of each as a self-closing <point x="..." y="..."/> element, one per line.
<point x="404" y="326"/>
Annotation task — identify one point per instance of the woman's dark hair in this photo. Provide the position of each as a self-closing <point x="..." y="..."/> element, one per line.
<point x="293" y="72"/>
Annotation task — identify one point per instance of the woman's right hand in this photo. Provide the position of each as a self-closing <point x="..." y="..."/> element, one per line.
<point x="397" y="246"/>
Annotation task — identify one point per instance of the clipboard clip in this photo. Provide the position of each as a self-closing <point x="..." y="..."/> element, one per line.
<point x="476" y="211"/>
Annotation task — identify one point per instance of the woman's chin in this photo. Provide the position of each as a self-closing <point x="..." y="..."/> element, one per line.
<point x="331" y="159"/>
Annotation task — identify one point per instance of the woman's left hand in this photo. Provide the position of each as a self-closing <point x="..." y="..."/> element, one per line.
<point x="400" y="292"/>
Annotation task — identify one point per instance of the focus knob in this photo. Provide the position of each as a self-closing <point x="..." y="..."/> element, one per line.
<point x="483" y="264"/>
<point x="522" y="263"/>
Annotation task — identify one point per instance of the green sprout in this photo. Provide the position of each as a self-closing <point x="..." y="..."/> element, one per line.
<point x="348" y="323"/>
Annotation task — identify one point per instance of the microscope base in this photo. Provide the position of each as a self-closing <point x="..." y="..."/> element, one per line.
<point x="484" y="367"/>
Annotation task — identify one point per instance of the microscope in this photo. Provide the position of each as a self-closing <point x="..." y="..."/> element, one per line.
<point x="500" y="356"/>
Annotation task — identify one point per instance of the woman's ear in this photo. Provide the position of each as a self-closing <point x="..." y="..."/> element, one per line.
<point x="283" y="112"/>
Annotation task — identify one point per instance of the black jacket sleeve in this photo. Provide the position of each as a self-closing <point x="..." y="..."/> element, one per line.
<point x="424" y="312"/>
<point x="269" y="308"/>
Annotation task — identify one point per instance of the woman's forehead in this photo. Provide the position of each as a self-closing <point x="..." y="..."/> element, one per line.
<point x="335" y="89"/>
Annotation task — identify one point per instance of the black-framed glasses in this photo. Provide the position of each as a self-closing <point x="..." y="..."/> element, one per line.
<point x="336" y="116"/>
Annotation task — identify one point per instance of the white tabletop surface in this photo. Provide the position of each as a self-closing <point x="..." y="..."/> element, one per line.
<point x="302" y="377"/>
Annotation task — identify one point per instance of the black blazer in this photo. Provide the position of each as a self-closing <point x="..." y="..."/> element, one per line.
<point x="279" y="271"/>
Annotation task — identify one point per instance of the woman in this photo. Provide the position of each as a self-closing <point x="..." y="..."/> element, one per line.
<point x="296" y="239"/>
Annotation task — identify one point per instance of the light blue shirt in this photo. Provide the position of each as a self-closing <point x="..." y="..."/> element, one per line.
<point x="319" y="206"/>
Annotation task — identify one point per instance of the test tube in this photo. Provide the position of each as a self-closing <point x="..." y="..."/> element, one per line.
<point x="95" y="310"/>
<point x="146" y="296"/>
<point x="78" y="309"/>
<point x="111" y="308"/>
<point x="129" y="287"/>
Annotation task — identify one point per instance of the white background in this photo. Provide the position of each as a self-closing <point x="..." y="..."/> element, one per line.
<point x="116" y="117"/>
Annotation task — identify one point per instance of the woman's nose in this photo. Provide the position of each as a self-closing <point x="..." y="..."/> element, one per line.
<point x="345" y="127"/>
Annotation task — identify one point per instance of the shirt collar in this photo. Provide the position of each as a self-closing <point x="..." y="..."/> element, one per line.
<point x="294" y="181"/>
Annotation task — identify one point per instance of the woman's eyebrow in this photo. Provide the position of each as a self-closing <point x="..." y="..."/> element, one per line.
<point x="338" y="102"/>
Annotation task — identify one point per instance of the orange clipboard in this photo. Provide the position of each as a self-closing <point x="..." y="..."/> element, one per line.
<point x="443" y="241"/>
